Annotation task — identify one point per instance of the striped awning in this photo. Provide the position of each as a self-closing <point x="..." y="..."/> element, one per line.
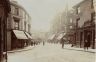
<point x="20" y="34"/>
<point x="52" y="37"/>
<point x="61" y="36"/>
<point x="28" y="35"/>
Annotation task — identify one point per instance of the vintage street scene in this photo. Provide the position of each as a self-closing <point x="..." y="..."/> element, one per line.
<point x="47" y="30"/>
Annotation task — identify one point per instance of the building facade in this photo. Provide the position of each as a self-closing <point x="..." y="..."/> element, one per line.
<point x="71" y="26"/>
<point x="18" y="25"/>
<point x="58" y="25"/>
<point x="85" y="23"/>
<point x="94" y="3"/>
<point x="4" y="11"/>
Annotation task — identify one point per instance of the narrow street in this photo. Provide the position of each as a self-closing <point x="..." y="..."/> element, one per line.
<point x="51" y="53"/>
<point x="47" y="30"/>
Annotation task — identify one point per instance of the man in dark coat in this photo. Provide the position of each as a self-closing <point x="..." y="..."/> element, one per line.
<point x="62" y="42"/>
<point x="86" y="44"/>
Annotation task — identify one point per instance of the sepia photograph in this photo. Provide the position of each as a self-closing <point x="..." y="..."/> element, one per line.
<point x="47" y="30"/>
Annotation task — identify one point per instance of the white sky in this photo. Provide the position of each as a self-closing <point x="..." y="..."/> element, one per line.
<point x="42" y="12"/>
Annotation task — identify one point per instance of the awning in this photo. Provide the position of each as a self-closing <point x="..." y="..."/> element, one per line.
<point x="28" y="35"/>
<point x="60" y="36"/>
<point x="52" y="36"/>
<point x="20" y="34"/>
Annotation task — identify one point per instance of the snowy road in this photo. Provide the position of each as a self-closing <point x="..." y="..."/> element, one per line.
<point x="51" y="53"/>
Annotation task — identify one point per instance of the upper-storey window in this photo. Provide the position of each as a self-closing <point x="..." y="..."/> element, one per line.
<point x="16" y="11"/>
<point x="92" y="1"/>
<point x="25" y="25"/>
<point x="93" y="17"/>
<point x="77" y="22"/>
<point x="78" y="10"/>
<point x="16" y="26"/>
<point x="71" y="27"/>
<point x="71" y="20"/>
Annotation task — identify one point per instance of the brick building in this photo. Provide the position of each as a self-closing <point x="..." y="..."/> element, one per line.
<point x="18" y="26"/>
<point x="94" y="3"/>
<point x="85" y="23"/>
<point x="71" y="27"/>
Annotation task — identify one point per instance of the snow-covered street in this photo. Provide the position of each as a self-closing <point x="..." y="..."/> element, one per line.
<point x="51" y="53"/>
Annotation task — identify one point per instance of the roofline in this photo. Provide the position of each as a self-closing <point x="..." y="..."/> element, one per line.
<point x="16" y="4"/>
<point x="78" y="4"/>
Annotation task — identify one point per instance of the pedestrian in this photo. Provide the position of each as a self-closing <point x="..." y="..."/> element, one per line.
<point x="86" y="45"/>
<point x="43" y="43"/>
<point x="62" y="42"/>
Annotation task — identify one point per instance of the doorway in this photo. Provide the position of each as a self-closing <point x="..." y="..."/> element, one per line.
<point x="88" y="37"/>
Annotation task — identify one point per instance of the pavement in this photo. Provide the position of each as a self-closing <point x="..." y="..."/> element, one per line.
<point x="23" y="49"/>
<point x="66" y="46"/>
<point x="52" y="53"/>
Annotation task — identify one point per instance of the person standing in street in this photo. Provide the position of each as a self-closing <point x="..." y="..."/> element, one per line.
<point x="87" y="42"/>
<point x="43" y="43"/>
<point x="62" y="42"/>
<point x="86" y="45"/>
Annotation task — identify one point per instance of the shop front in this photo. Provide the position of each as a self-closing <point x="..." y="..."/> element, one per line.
<point x="29" y="41"/>
<point x="19" y="39"/>
<point x="51" y="38"/>
<point x="87" y="32"/>
<point x="89" y="35"/>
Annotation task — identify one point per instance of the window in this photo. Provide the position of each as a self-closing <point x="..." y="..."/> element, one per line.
<point x="92" y="6"/>
<point x="71" y="27"/>
<point x="25" y="25"/>
<point x="16" y="11"/>
<point x="77" y="24"/>
<point x="71" y="21"/>
<point x="78" y="10"/>
<point x="16" y="24"/>
<point x="93" y="16"/>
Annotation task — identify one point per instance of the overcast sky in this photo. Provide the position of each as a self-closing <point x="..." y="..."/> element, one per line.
<point x="42" y="12"/>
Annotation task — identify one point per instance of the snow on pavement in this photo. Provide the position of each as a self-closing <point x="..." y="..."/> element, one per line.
<point x="51" y="53"/>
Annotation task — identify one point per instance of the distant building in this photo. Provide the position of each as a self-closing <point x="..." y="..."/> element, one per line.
<point x="4" y="11"/>
<point x="63" y="23"/>
<point x="18" y="25"/>
<point x="59" y="23"/>
<point x="85" y="23"/>
<point x="56" y="24"/>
